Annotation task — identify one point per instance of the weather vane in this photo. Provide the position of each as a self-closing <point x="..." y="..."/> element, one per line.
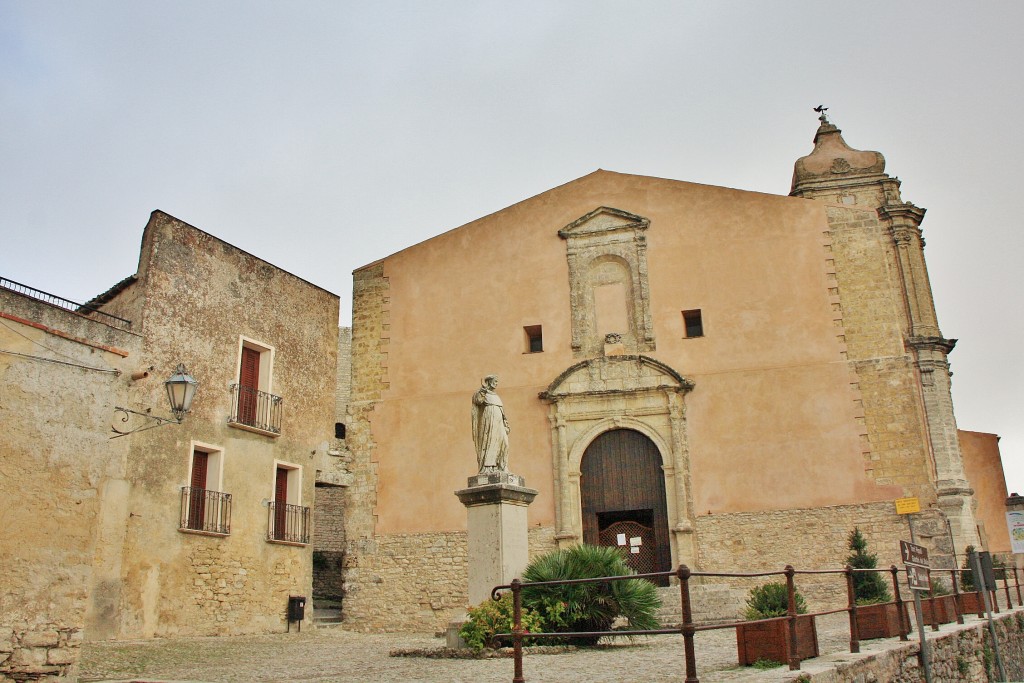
<point x="821" y="109"/>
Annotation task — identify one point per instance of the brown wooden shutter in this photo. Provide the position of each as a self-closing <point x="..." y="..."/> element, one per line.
<point x="197" y="495"/>
<point x="249" y="383"/>
<point x="280" y="504"/>
<point x="200" y="460"/>
<point x="250" y="373"/>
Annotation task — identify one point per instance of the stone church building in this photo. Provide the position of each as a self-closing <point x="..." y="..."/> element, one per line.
<point x="739" y="378"/>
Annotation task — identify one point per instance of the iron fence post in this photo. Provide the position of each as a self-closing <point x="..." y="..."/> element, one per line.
<point x="794" y="657"/>
<point x="688" y="630"/>
<point x="957" y="600"/>
<point x="904" y="620"/>
<point x="851" y="594"/>
<point x="517" y="631"/>
<point x="1016" y="582"/>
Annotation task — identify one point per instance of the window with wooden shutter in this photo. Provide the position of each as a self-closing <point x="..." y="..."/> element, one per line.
<point x="197" y="494"/>
<point x="205" y="507"/>
<point x="281" y="504"/>
<point x="249" y="385"/>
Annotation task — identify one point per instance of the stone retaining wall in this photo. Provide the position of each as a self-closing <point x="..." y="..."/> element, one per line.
<point x="965" y="654"/>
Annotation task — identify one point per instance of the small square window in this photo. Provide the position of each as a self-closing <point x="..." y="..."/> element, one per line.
<point x="693" y="324"/>
<point x="534" y="339"/>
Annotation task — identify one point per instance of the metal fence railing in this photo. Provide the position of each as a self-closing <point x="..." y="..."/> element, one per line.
<point x="66" y="304"/>
<point x="933" y="614"/>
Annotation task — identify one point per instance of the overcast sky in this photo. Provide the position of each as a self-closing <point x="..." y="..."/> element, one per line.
<point x="322" y="136"/>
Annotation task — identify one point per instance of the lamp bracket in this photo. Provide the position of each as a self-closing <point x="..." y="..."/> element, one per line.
<point x="159" y="422"/>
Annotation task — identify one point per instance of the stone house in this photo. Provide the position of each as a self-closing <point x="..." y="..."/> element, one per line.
<point x="738" y="378"/>
<point x="61" y="373"/>
<point x="200" y="528"/>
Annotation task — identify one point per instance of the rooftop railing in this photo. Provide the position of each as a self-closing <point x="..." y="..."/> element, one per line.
<point x="66" y="304"/>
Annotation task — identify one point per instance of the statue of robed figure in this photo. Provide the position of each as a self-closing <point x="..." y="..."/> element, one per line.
<point x="490" y="428"/>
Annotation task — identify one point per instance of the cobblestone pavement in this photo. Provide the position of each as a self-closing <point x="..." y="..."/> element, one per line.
<point x="337" y="655"/>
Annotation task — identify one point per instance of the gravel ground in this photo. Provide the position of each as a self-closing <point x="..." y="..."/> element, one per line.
<point x="319" y="656"/>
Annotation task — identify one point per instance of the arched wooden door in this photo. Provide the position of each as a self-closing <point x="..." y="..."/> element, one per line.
<point x="622" y="492"/>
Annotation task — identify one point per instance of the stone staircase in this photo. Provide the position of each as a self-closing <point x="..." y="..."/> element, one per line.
<point x="326" y="613"/>
<point x="709" y="603"/>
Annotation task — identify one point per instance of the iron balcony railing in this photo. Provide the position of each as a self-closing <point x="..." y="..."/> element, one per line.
<point x="66" y="304"/>
<point x="288" y="523"/>
<point x="208" y="511"/>
<point x="254" y="408"/>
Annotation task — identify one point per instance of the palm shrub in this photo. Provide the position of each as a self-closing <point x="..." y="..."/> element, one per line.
<point x="588" y="606"/>
<point x="868" y="587"/>
<point x="771" y="600"/>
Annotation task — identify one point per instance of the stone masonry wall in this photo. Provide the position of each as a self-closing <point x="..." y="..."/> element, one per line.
<point x="873" y="320"/>
<point x="230" y="589"/>
<point x="810" y="539"/>
<point x="964" y="654"/>
<point x="59" y="380"/>
<point x="328" y="542"/>
<point x="343" y="375"/>
<point x="414" y="582"/>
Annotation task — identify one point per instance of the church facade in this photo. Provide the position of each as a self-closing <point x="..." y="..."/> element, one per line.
<point x="738" y="379"/>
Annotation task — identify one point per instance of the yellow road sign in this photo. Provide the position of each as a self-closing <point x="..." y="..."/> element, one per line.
<point x="907" y="506"/>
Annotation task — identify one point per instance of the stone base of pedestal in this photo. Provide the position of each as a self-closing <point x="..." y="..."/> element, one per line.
<point x="452" y="638"/>
<point x="498" y="548"/>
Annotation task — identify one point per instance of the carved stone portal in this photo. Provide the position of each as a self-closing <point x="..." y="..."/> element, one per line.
<point x="621" y="392"/>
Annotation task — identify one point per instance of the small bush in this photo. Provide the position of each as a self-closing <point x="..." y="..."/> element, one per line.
<point x="495" y="616"/>
<point x="771" y="600"/>
<point x="939" y="587"/>
<point x="967" y="578"/>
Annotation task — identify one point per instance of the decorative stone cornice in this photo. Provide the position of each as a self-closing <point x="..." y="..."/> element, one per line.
<point x="940" y="344"/>
<point x="904" y="211"/>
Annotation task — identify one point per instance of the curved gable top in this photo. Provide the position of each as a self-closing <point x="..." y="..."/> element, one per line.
<point x="616" y="374"/>
<point x="604" y="219"/>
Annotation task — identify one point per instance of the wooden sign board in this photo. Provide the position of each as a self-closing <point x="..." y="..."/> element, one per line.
<point x="917" y="578"/>
<point x="907" y="506"/>
<point x="916" y="555"/>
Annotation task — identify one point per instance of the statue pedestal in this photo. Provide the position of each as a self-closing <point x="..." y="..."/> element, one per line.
<point x="498" y="549"/>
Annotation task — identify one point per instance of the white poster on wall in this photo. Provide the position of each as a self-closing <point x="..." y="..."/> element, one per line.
<point x="1015" y="524"/>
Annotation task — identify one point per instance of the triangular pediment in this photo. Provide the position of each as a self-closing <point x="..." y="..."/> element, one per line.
<point x="603" y="220"/>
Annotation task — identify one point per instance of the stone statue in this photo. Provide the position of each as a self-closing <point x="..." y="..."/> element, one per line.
<point x="490" y="428"/>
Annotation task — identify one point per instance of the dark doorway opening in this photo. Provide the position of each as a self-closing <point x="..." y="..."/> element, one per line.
<point x="622" y="491"/>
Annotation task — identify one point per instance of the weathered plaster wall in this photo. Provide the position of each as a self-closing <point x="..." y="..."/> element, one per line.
<point x="200" y="296"/>
<point x="770" y="347"/>
<point x="775" y="393"/>
<point x="984" y="468"/>
<point x="61" y="374"/>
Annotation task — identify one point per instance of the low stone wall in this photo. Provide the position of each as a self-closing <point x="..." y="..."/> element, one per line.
<point x="46" y="652"/>
<point x="413" y="582"/>
<point x="811" y="539"/>
<point x="964" y="654"/>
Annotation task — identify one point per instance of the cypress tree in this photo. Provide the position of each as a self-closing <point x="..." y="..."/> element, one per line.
<point x="868" y="587"/>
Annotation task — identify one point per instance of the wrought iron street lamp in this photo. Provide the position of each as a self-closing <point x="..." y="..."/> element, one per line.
<point x="181" y="389"/>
